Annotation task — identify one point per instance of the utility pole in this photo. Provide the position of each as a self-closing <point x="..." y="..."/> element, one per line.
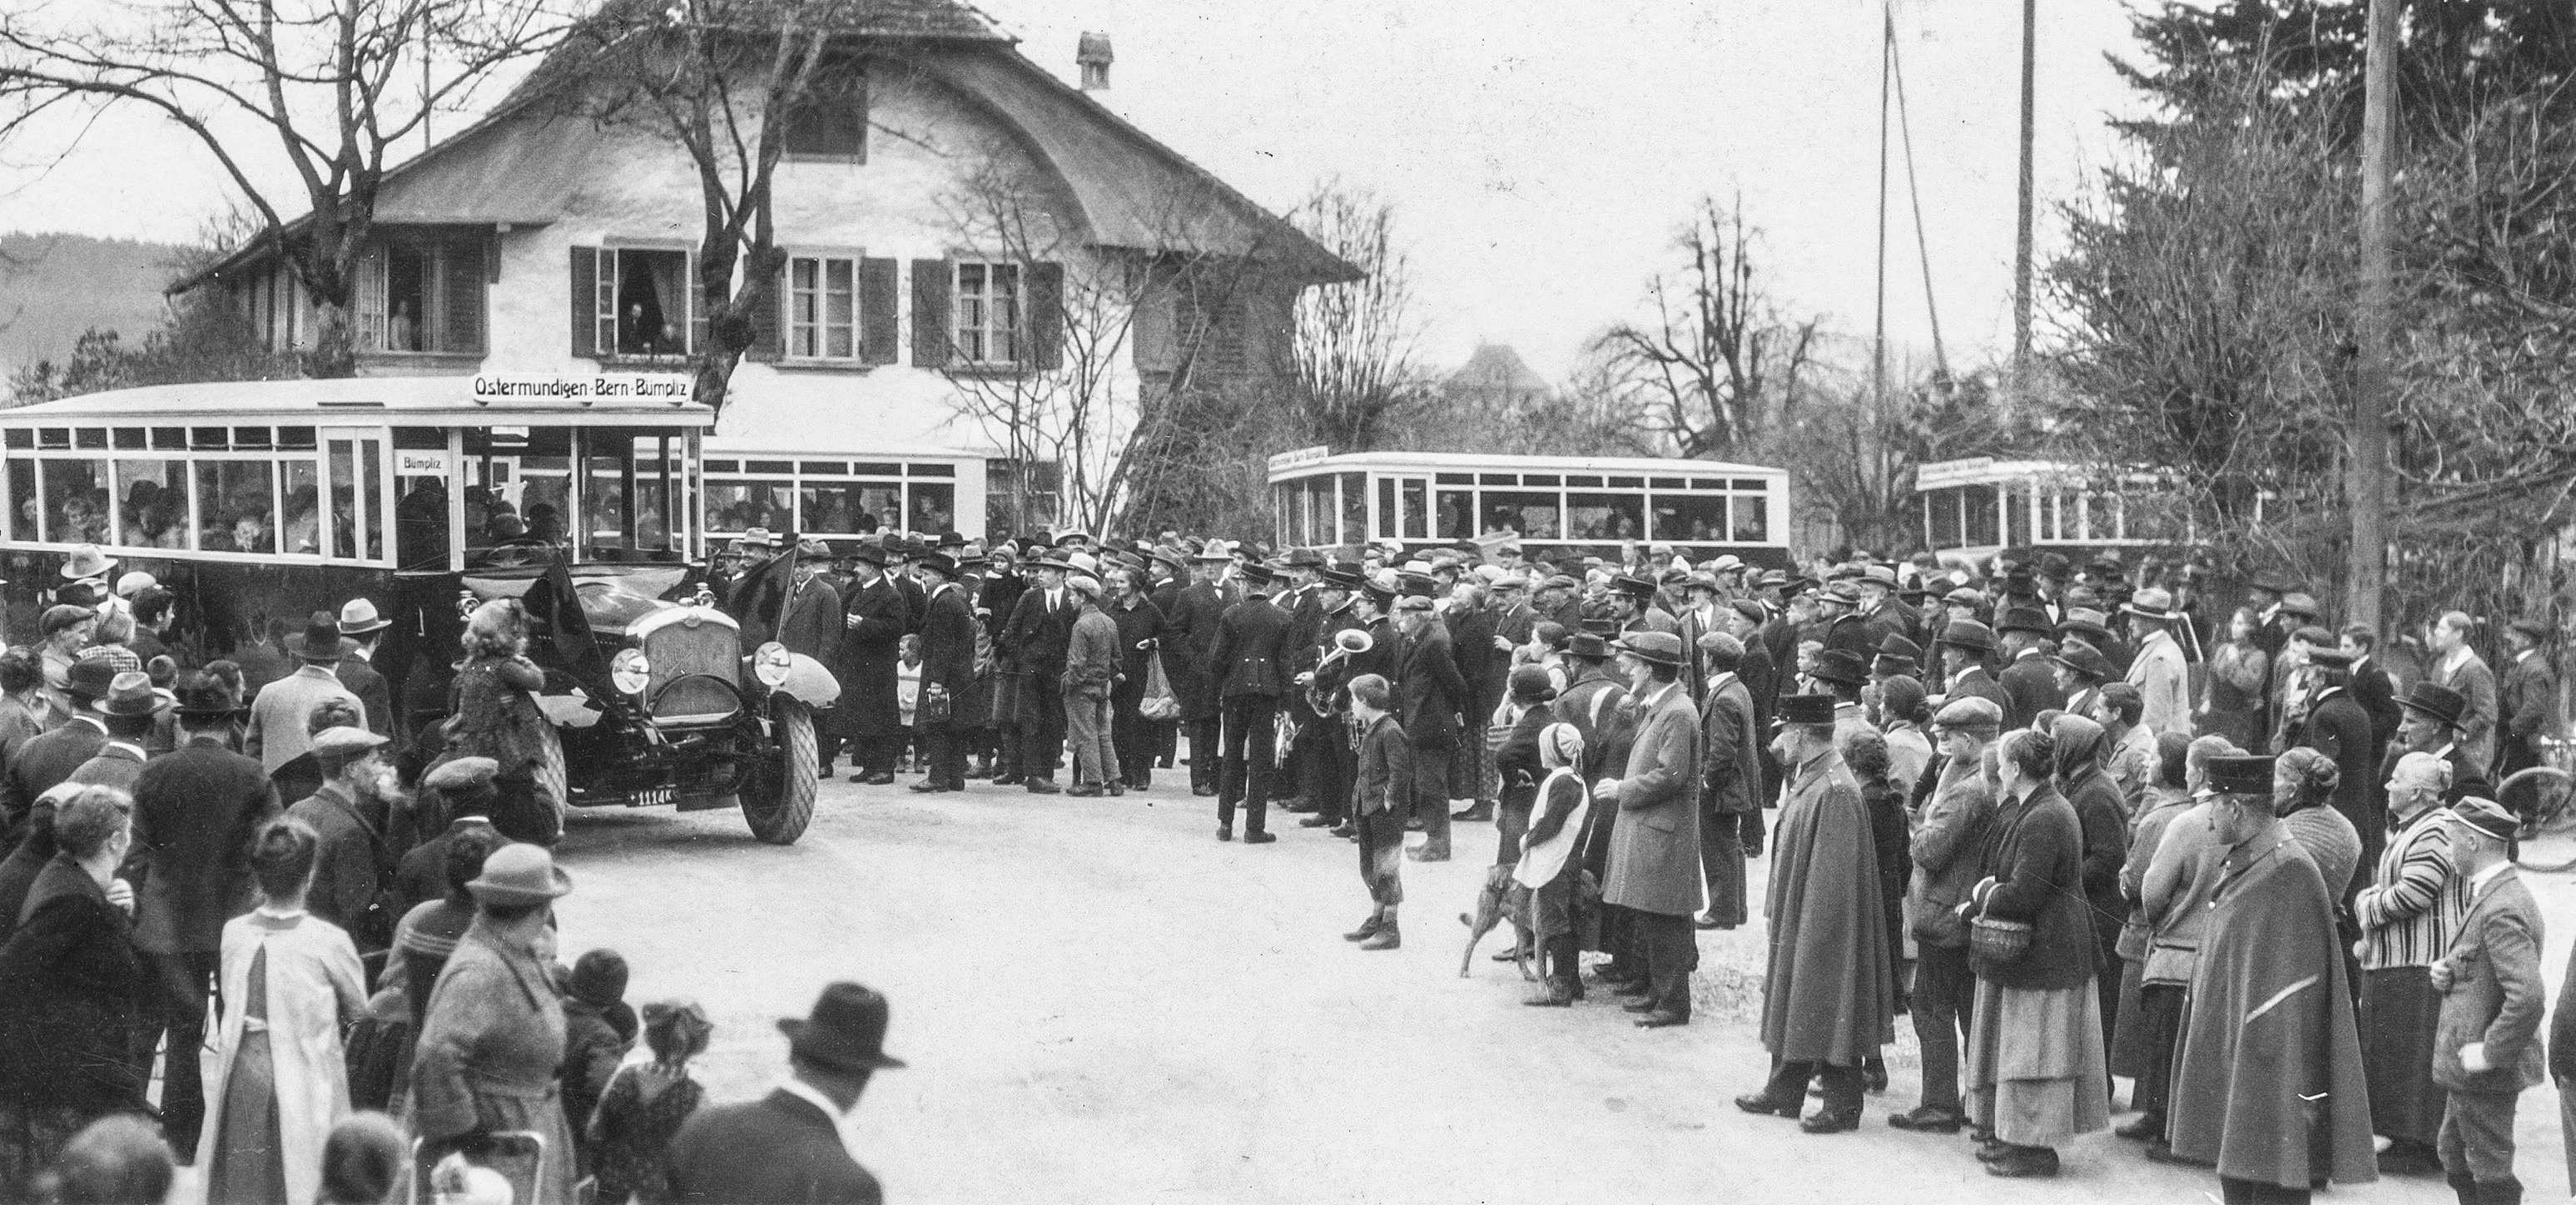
<point x="1886" y="75"/>
<point x="2366" y="462"/>
<point x="2021" y="238"/>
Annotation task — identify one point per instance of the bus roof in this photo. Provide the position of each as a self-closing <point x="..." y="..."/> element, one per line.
<point x="360" y="401"/>
<point x="1400" y="461"/>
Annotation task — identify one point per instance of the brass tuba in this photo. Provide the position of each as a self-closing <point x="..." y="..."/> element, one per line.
<point x="1347" y="643"/>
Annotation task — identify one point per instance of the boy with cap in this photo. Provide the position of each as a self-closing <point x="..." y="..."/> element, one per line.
<point x="2486" y="1045"/>
<point x="1381" y="790"/>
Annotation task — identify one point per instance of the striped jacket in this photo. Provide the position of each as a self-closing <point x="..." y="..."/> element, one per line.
<point x="2415" y="901"/>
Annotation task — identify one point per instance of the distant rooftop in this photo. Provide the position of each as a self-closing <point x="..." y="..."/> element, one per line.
<point x="1496" y="368"/>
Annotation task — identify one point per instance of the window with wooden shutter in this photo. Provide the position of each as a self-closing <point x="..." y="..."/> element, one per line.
<point x="930" y="313"/>
<point x="1046" y="315"/>
<point x="823" y="308"/>
<point x="585" y="301"/>
<point x="988" y="314"/>
<point x="462" y="269"/>
<point x="878" y="329"/>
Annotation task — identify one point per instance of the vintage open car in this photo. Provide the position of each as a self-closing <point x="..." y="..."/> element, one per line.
<point x="261" y="502"/>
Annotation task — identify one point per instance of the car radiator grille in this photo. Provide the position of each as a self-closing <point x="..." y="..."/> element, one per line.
<point x="678" y="651"/>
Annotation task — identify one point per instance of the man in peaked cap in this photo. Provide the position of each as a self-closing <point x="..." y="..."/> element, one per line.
<point x="2487" y="1046"/>
<point x="353" y="865"/>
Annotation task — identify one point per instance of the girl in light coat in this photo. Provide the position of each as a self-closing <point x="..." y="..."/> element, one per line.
<point x="279" y="1080"/>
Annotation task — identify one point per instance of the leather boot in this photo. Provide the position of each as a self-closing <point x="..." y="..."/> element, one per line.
<point x="1367" y="928"/>
<point x="1387" y="937"/>
<point x="2507" y="1191"/>
<point x="2463" y="1185"/>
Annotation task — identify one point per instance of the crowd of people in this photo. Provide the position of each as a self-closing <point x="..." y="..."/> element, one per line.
<point x="251" y="925"/>
<point x="2265" y="878"/>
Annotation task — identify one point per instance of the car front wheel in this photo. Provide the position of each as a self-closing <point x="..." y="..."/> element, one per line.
<point x="778" y="797"/>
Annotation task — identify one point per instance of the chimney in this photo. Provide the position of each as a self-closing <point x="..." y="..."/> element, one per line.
<point x="1094" y="58"/>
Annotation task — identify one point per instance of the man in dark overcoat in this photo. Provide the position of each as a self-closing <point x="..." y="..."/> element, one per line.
<point x="49" y="758"/>
<point x="810" y="623"/>
<point x="2339" y="728"/>
<point x="996" y="599"/>
<point x="362" y="629"/>
<point x="2029" y="679"/>
<point x="1731" y="772"/>
<point x="354" y="864"/>
<point x="948" y="667"/>
<point x="1038" y="637"/>
<point x="197" y="810"/>
<point x="788" y="1148"/>
<point x="1429" y="694"/>
<point x="1964" y="649"/>
<point x="1190" y="631"/>
<point x="2268" y="1085"/>
<point x="1244" y="666"/>
<point x="1655" y="873"/>
<point x="868" y="717"/>
<point x="1828" y="992"/>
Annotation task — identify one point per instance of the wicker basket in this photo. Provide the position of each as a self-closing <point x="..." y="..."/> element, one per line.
<point x="1998" y="940"/>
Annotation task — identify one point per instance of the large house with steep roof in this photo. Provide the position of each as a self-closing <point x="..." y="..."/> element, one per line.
<point x="961" y="226"/>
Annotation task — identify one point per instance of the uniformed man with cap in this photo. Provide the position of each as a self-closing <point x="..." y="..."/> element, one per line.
<point x="1632" y="604"/>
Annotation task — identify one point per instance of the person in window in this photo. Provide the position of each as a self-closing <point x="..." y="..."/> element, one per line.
<point x="250" y="533"/>
<point x="303" y="530"/>
<point x="78" y="521"/>
<point x="545" y="523"/>
<point x="402" y="330"/>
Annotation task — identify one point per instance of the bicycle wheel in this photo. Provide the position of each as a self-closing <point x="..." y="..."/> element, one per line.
<point x="2545" y="797"/>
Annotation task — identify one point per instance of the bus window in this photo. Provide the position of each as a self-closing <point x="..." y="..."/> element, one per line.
<point x="1532" y="513"/>
<point x="1354" y="508"/>
<point x="830" y="508"/>
<point x="301" y="527"/>
<point x="1606" y="517"/>
<point x="22" y="500"/>
<point x="738" y="506"/>
<point x="1752" y="518"/>
<point x="1977" y="515"/>
<point x="1417" y="513"/>
<point x="607" y="495"/>
<point x="420" y="522"/>
<point x="74" y="491"/>
<point x="933" y="507"/>
<point x="371" y="488"/>
<point x="152" y="511"/>
<point x="235" y="501"/>
<point x="1457" y="515"/>
<point x="1699" y="518"/>
<point x="1386" y="512"/>
<point x="2016" y="530"/>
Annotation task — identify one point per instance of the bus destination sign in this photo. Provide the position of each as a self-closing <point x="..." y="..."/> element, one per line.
<point x="674" y="388"/>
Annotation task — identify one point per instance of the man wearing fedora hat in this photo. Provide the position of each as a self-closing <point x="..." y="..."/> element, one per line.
<point x="1730" y="777"/>
<point x="128" y="711"/>
<point x="2486" y="1040"/>
<point x="1965" y="645"/>
<point x="2268" y="1083"/>
<point x="1245" y="670"/>
<point x="2081" y="671"/>
<point x="2029" y="678"/>
<point x="948" y="665"/>
<point x="1190" y="624"/>
<point x="1037" y="640"/>
<point x="1655" y="879"/>
<point x="197" y="810"/>
<point x="868" y="719"/>
<point x="2527" y="699"/>
<point x="793" y="1146"/>
<point x="2338" y="728"/>
<point x="2158" y="669"/>
<point x="361" y="626"/>
<point x="1431" y="694"/>
<point x="277" y="717"/>
<point x="492" y="1039"/>
<point x="2431" y="724"/>
<point x="48" y="759"/>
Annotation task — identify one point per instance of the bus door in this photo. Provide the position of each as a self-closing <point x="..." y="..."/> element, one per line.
<point x="361" y="494"/>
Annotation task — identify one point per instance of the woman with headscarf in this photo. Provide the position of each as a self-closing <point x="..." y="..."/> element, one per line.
<point x="493" y="1035"/>
<point x="1547" y="865"/>
<point x="1865" y="751"/>
<point x="2083" y="748"/>
<point x="645" y="1105"/>
<point x="497" y="717"/>
<point x="280" y="1080"/>
<point x="2303" y="788"/>
<point x="2036" y="1071"/>
<point x="70" y="983"/>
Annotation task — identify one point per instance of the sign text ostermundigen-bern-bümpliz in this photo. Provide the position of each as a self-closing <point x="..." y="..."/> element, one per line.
<point x="668" y="387"/>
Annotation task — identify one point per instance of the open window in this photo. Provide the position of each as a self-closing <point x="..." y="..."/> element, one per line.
<point x="633" y="303"/>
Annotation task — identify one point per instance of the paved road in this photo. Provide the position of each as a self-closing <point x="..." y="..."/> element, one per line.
<point x="1100" y="1002"/>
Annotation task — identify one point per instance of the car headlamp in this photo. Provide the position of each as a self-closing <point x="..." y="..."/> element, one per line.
<point x="770" y="663"/>
<point x="630" y="672"/>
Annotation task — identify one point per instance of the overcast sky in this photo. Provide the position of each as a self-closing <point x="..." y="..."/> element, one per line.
<point x="1540" y="152"/>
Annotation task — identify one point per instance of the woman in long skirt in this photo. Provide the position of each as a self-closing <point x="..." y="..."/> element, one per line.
<point x="280" y="1080"/>
<point x="2036" y="1072"/>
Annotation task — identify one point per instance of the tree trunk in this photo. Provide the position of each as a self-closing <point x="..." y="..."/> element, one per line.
<point x="334" y="353"/>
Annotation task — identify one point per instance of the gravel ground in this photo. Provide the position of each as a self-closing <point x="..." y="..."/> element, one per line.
<point x="1100" y="1002"/>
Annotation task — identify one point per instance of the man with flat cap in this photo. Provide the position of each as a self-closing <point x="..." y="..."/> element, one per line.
<point x="354" y="863"/>
<point x="793" y="1146"/>
<point x="1655" y="877"/>
<point x="1948" y="848"/>
<point x="197" y="810"/>
<point x="2486" y="1041"/>
<point x="458" y="794"/>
